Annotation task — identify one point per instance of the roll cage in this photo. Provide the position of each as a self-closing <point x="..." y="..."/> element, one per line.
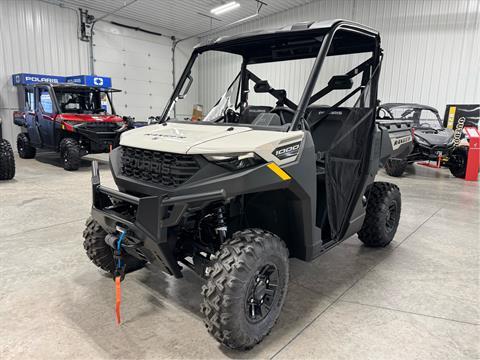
<point x="305" y="40"/>
<point x="409" y="109"/>
<point x="51" y="89"/>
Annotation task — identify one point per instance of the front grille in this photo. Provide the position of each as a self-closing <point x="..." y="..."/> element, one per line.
<point x="100" y="126"/>
<point x="157" y="167"/>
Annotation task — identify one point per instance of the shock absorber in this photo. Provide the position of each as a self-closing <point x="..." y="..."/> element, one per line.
<point x="221" y="228"/>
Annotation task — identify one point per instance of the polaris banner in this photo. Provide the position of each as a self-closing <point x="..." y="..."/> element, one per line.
<point x="89" y="80"/>
<point x="27" y="79"/>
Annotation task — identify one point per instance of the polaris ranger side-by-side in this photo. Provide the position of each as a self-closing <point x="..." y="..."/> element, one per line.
<point x="432" y="142"/>
<point x="70" y="118"/>
<point x="232" y="197"/>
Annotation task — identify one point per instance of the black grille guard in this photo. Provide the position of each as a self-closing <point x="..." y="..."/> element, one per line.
<point x="147" y="230"/>
<point x="111" y="137"/>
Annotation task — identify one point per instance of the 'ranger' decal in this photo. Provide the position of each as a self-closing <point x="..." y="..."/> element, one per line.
<point x="155" y="136"/>
<point x="397" y="142"/>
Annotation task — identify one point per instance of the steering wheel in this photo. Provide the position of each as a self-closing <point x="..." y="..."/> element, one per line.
<point x="231" y="116"/>
<point x="280" y="110"/>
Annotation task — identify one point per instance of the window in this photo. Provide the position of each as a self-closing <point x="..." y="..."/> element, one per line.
<point x="429" y="119"/>
<point x="46" y="101"/>
<point x="83" y="100"/>
<point x="29" y="100"/>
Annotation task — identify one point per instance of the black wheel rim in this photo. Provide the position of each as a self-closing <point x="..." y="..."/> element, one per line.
<point x="261" y="294"/>
<point x="391" y="217"/>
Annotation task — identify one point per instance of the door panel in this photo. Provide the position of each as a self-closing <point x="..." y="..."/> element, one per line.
<point x="45" y="116"/>
<point x="30" y="116"/>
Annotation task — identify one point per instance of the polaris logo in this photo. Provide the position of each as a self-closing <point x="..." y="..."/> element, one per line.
<point x="396" y="143"/>
<point x="172" y="136"/>
<point x="41" y="79"/>
<point x="98" y="81"/>
<point x="287" y="151"/>
<point x="330" y="112"/>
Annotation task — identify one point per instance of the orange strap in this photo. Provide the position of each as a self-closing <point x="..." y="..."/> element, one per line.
<point x="118" y="298"/>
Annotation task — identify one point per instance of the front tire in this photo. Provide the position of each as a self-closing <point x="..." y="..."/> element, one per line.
<point x="100" y="253"/>
<point x="25" y="150"/>
<point x="70" y="153"/>
<point x="395" y="168"/>
<point x="457" y="163"/>
<point x="246" y="288"/>
<point x="7" y="161"/>
<point x="382" y="216"/>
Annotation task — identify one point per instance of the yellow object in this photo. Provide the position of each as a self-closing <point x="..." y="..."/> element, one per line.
<point x="277" y="170"/>
<point x="451" y="116"/>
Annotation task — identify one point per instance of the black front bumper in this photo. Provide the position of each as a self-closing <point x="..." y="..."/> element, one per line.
<point x="147" y="228"/>
<point x="430" y="152"/>
<point x="100" y="141"/>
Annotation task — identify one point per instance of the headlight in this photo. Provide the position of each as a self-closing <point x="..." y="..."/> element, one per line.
<point x="236" y="161"/>
<point x="421" y="141"/>
<point x="69" y="125"/>
<point x="72" y="123"/>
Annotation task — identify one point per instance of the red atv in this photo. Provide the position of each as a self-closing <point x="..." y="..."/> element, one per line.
<point x="69" y="118"/>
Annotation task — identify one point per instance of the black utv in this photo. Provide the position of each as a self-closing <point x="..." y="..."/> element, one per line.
<point x="432" y="142"/>
<point x="262" y="178"/>
<point x="7" y="159"/>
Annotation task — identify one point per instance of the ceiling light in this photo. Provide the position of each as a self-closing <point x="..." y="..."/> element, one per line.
<point x="225" y="7"/>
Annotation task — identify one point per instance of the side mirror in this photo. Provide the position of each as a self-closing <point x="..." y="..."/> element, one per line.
<point x="262" y="87"/>
<point x="340" y="82"/>
<point x="187" y="87"/>
<point x="129" y="121"/>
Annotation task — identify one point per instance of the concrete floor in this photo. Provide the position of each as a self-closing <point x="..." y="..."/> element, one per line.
<point x="418" y="298"/>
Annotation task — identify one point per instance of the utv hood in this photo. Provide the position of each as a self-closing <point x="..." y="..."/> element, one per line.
<point x="89" y="118"/>
<point x="435" y="137"/>
<point x="211" y="139"/>
<point x="175" y="137"/>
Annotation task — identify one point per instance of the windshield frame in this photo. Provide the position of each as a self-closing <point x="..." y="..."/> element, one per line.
<point x="407" y="110"/>
<point x="352" y="29"/>
<point x="59" y="90"/>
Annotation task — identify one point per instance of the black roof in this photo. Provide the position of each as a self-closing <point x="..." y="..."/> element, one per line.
<point x="74" y="86"/>
<point x="390" y="106"/>
<point x="298" y="41"/>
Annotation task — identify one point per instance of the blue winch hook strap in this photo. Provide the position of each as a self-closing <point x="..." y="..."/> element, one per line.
<point x="119" y="246"/>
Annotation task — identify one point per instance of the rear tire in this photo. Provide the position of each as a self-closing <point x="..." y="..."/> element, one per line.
<point x="383" y="215"/>
<point x="457" y="163"/>
<point x="70" y="153"/>
<point x="100" y="253"/>
<point x="7" y="161"/>
<point x="246" y="288"/>
<point x="25" y="150"/>
<point x="395" y="168"/>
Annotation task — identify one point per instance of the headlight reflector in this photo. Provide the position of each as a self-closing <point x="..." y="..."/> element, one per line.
<point x="236" y="161"/>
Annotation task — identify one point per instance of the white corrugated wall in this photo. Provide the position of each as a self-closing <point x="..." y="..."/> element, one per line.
<point x="140" y="65"/>
<point x="432" y="48"/>
<point x="35" y="37"/>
